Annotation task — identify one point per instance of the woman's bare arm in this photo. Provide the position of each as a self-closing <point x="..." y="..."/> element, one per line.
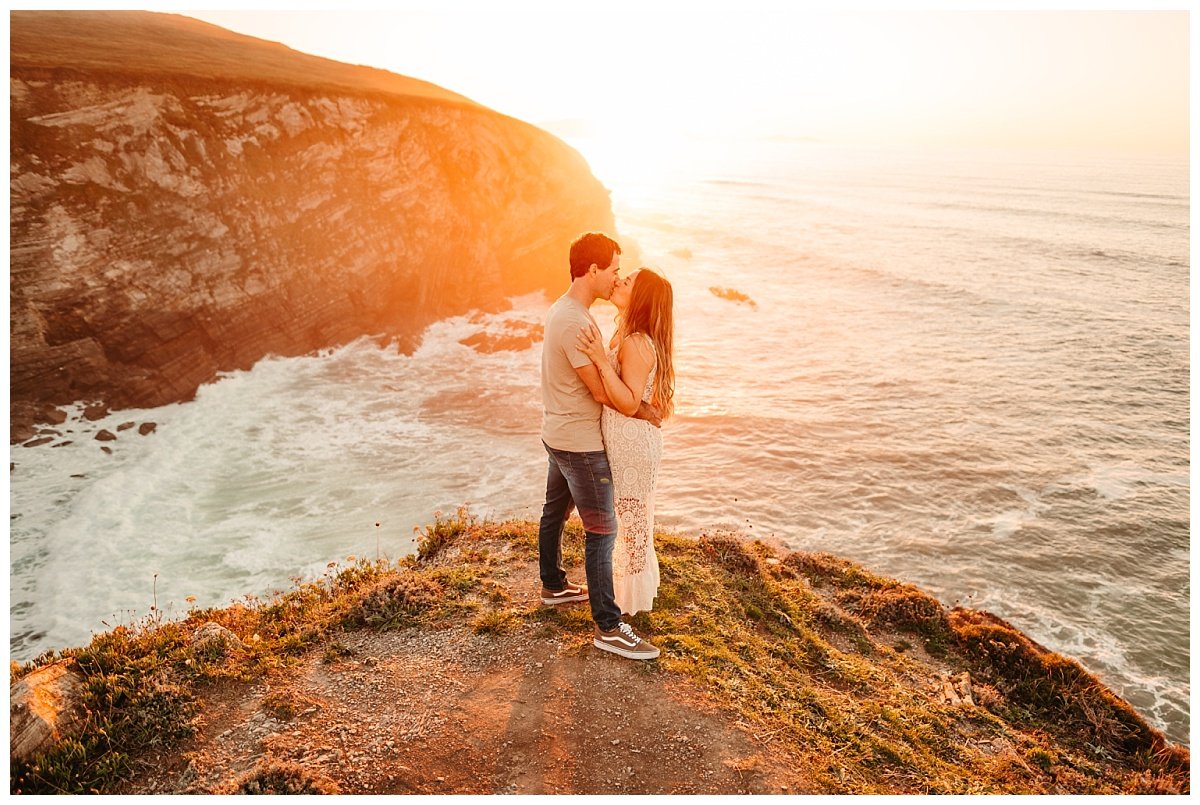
<point x="636" y="358"/>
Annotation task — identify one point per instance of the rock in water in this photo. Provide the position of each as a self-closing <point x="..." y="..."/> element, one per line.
<point x="172" y="218"/>
<point x="517" y="336"/>
<point x="44" y="707"/>
<point x="95" y="411"/>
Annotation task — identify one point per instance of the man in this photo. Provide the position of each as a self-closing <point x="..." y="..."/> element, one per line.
<point x="578" y="476"/>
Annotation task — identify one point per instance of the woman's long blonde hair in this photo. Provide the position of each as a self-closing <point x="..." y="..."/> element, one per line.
<point x="651" y="311"/>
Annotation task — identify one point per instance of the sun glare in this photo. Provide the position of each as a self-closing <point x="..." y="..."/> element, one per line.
<point x="629" y="156"/>
<point x="635" y="75"/>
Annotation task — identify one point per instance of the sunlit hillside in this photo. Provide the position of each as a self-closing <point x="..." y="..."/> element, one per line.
<point x="185" y="200"/>
<point x="140" y="42"/>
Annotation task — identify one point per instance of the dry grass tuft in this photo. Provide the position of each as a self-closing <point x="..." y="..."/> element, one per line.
<point x="435" y="538"/>
<point x="732" y="552"/>
<point x="281" y="777"/>
<point x="285" y="704"/>
<point x="398" y="601"/>
<point x="500" y="621"/>
<point x="825" y="568"/>
<point x="1157" y="782"/>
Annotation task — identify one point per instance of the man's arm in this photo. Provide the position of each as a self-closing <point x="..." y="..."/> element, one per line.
<point x="649" y="413"/>
<point x="590" y="376"/>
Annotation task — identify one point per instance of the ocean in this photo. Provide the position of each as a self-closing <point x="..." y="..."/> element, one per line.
<point x="967" y="369"/>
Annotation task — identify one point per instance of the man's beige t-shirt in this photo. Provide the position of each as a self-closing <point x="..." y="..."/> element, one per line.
<point x="571" y="417"/>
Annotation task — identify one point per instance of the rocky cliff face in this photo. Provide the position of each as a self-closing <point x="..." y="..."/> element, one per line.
<point x="169" y="226"/>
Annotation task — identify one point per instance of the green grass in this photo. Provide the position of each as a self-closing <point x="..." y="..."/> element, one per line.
<point x="803" y="647"/>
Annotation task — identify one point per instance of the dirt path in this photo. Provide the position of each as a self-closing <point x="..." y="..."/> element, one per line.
<point x="451" y="711"/>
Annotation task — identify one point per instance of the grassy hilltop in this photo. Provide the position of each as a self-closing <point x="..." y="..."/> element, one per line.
<point x="442" y="673"/>
<point x="155" y="45"/>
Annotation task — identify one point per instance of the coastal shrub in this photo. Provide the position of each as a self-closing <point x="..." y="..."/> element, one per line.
<point x="280" y="777"/>
<point x="765" y="605"/>
<point x="398" y="601"/>
<point x="841" y="573"/>
<point x="1049" y="685"/>
<point x="522" y="537"/>
<point x="574" y="540"/>
<point x="361" y="573"/>
<point x="18" y="670"/>
<point x="680" y="577"/>
<point x="434" y="538"/>
<point x="862" y="725"/>
<point x="132" y="705"/>
<point x="732" y="553"/>
<point x="835" y="619"/>
<point x="458" y="579"/>
<point x="140" y="677"/>
<point x="907" y="608"/>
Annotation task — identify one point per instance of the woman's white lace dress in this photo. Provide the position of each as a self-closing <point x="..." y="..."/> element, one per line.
<point x="634" y="449"/>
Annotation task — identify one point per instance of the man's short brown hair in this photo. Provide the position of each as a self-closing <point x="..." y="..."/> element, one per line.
<point x="590" y="248"/>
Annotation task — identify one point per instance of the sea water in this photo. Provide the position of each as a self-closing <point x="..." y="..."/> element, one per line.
<point x="967" y="369"/>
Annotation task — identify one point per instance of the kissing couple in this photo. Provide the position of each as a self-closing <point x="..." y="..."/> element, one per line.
<point x="602" y="410"/>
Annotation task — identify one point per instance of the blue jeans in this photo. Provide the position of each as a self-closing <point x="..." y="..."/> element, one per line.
<point x="581" y="481"/>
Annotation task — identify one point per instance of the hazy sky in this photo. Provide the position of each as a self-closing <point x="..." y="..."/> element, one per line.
<point x="1105" y="79"/>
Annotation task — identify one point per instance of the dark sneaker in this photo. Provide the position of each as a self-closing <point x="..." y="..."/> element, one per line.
<point x="567" y="595"/>
<point x="626" y="642"/>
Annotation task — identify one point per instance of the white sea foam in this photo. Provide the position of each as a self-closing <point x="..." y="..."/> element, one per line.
<point x="1011" y="521"/>
<point x="1119" y="481"/>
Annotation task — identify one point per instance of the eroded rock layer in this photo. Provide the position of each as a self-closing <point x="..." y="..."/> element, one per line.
<point x="167" y="226"/>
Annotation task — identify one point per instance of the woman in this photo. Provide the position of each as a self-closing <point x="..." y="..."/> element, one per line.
<point x="637" y="367"/>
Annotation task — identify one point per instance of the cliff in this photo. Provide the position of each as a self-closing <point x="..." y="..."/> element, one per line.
<point x="185" y="200"/>
<point x="781" y="672"/>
